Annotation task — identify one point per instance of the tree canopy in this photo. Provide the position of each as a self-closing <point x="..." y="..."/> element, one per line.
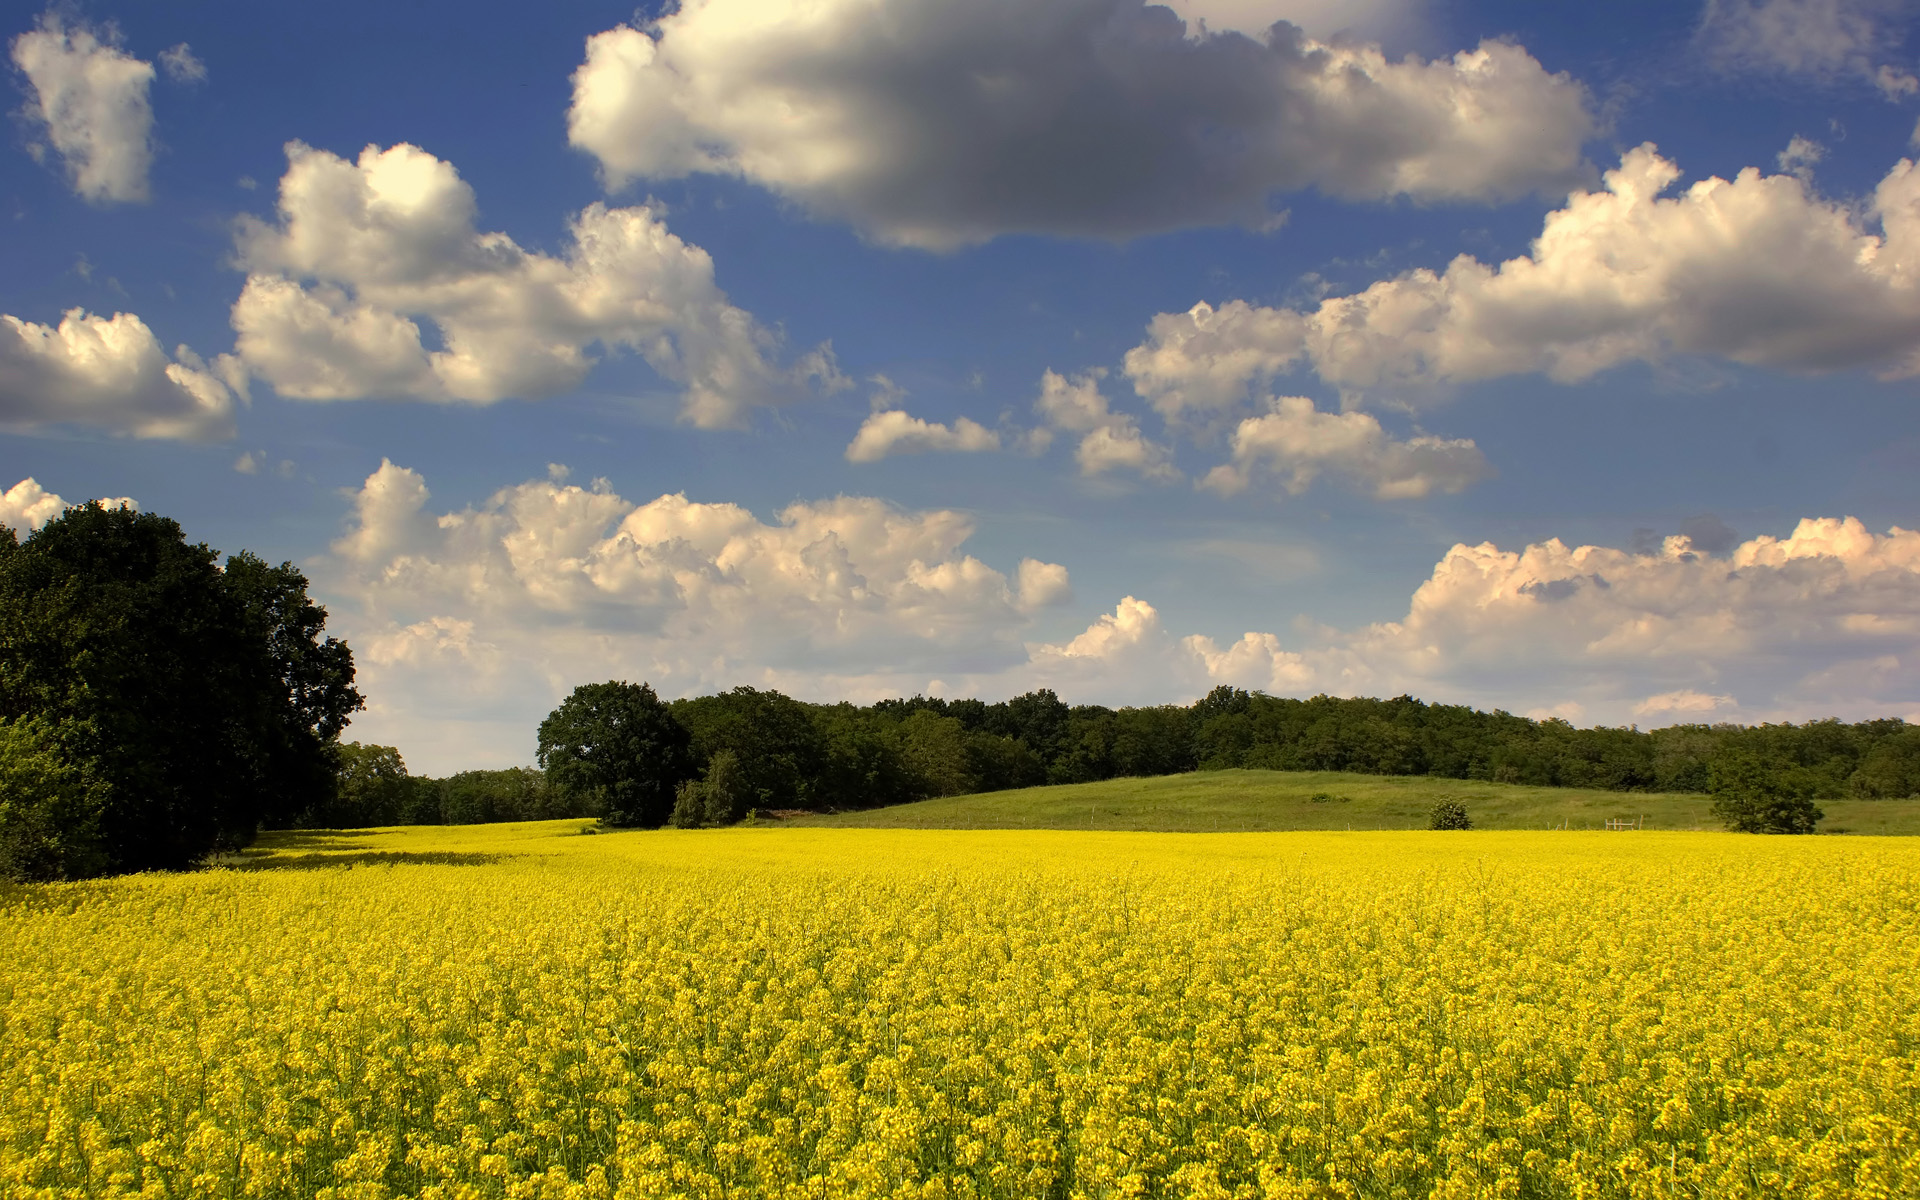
<point x="183" y="703"/>
<point x="616" y="750"/>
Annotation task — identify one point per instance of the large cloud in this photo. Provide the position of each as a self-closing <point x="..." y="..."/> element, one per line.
<point x="90" y="99"/>
<point x="938" y="123"/>
<point x="112" y="373"/>
<point x="1820" y="39"/>
<point x="363" y="250"/>
<point x="1757" y="270"/>
<point x="547" y="585"/>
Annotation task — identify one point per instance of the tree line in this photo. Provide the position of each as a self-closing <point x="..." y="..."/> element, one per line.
<point x="617" y="751"/>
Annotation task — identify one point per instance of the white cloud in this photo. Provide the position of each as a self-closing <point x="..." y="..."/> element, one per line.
<point x="1821" y="39"/>
<point x="942" y="123"/>
<point x="506" y="606"/>
<point x="892" y="431"/>
<point x="90" y="100"/>
<point x="26" y="506"/>
<point x="1109" y="441"/>
<point x="1041" y="585"/>
<point x="364" y="251"/>
<point x="109" y="372"/>
<point x="181" y="65"/>
<point x="1297" y="442"/>
<point x="1782" y="628"/>
<point x="1756" y="270"/>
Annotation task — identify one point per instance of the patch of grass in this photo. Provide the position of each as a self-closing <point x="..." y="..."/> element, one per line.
<point x="1248" y="801"/>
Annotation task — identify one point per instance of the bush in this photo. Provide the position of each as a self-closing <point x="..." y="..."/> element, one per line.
<point x="1449" y="814"/>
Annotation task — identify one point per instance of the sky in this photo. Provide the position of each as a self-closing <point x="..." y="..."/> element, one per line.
<point x="1547" y="357"/>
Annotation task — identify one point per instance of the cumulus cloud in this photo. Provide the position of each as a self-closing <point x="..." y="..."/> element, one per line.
<point x="26" y="506"/>
<point x="892" y="431"/>
<point x="1825" y="621"/>
<point x="364" y="251"/>
<point x="1820" y="39"/>
<point x="89" y="99"/>
<point x="1756" y="270"/>
<point x="938" y="124"/>
<point x="1109" y="441"/>
<point x="111" y="373"/>
<point x="1791" y="628"/>
<point x="1297" y="442"/>
<point x="547" y="585"/>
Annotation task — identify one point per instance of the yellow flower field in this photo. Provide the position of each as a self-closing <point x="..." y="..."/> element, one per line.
<point x="521" y="1011"/>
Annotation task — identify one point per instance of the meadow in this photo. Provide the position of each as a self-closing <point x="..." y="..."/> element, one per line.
<point x="528" y="1011"/>
<point x="1253" y="801"/>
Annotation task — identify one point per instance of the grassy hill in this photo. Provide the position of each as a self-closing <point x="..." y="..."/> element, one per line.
<point x="1211" y="801"/>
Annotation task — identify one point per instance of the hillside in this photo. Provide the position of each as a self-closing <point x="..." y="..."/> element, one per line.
<point x="1218" y="801"/>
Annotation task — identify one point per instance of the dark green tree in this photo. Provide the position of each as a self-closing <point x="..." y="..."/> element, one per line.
<point x="198" y="704"/>
<point x="371" y="788"/>
<point x="780" y="746"/>
<point x="312" y="695"/>
<point x="615" y="751"/>
<point x="1752" y="795"/>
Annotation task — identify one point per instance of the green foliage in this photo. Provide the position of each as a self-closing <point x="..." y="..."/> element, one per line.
<point x="1752" y="795"/>
<point x="315" y="697"/>
<point x="1448" y="814"/>
<point x="725" y="787"/>
<point x="371" y="788"/>
<point x="49" y="810"/>
<point x="198" y="703"/>
<point x="779" y="746"/>
<point x="689" y="805"/>
<point x="513" y="794"/>
<point x="1891" y="769"/>
<point x="613" y="750"/>
<point x="935" y="749"/>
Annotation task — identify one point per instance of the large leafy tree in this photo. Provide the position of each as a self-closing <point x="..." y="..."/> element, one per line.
<point x="1752" y="795"/>
<point x="615" y="750"/>
<point x="196" y="703"/>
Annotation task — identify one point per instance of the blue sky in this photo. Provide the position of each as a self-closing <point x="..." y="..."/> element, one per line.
<point x="899" y="299"/>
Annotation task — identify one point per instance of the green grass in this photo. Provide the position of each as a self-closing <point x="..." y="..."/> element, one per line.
<point x="1209" y="801"/>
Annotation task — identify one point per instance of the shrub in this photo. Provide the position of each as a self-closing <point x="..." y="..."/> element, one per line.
<point x="1449" y="814"/>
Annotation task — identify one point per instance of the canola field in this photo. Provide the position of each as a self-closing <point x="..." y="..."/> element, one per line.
<point x="520" y="1011"/>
